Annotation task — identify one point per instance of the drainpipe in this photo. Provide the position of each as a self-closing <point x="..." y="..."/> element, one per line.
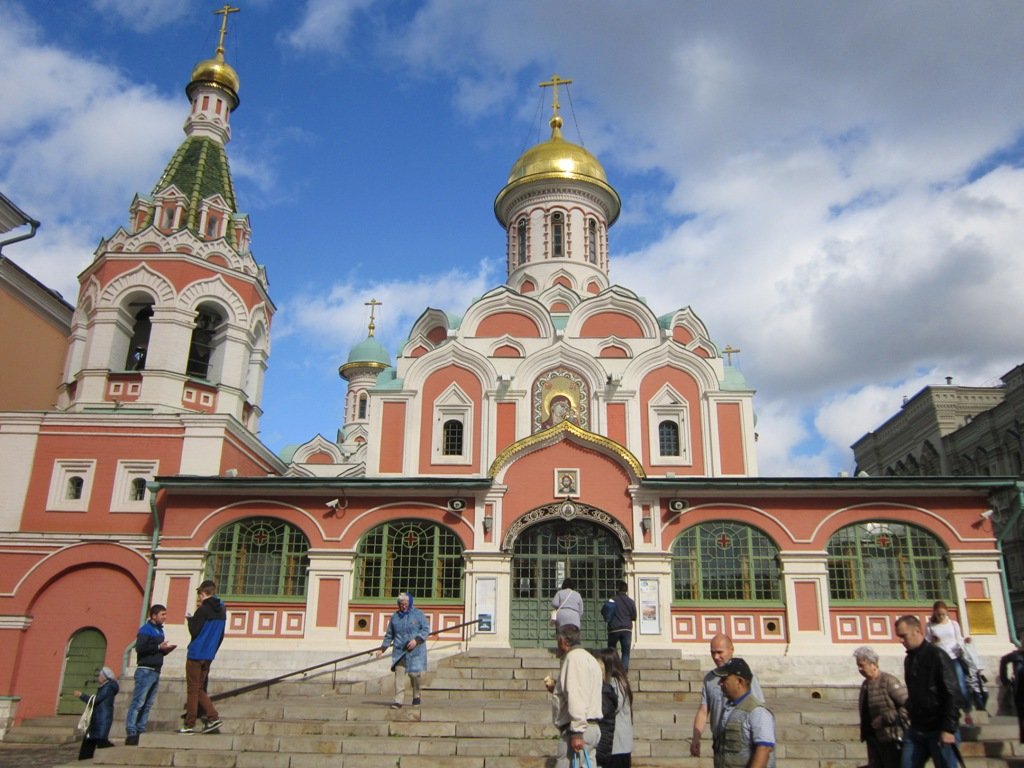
<point x="1004" y="530"/>
<point x="26" y="236"/>
<point x="153" y="488"/>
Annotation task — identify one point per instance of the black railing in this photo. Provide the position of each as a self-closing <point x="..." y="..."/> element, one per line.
<point x="272" y="681"/>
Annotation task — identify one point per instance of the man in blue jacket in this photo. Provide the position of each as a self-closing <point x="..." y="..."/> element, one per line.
<point x="620" y="613"/>
<point x="206" y="628"/>
<point x="407" y="635"/>
<point x="150" y="649"/>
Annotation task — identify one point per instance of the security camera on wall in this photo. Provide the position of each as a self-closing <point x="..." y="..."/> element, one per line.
<point x="677" y="505"/>
<point x="456" y="505"/>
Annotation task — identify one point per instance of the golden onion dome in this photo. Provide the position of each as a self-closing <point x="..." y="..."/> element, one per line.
<point x="215" y="72"/>
<point x="557" y="158"/>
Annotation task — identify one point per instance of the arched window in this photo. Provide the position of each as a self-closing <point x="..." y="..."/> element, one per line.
<point x="452" y="438"/>
<point x="259" y="557"/>
<point x="521" y="242"/>
<point x="668" y="438"/>
<point x="725" y="561"/>
<point x="557" y="235"/>
<point x="201" y="348"/>
<point x="137" y="490"/>
<point x="409" y="556"/>
<point x="212" y="227"/>
<point x="76" y="484"/>
<point x="886" y="560"/>
<point x="592" y="241"/>
<point x="139" y="344"/>
<point x="362" y="406"/>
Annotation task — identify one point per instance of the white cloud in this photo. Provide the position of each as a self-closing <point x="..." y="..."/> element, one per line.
<point x="325" y="25"/>
<point x="77" y="141"/>
<point x="147" y="16"/>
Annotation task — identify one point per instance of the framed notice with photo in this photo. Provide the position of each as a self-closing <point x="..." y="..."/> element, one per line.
<point x="486" y="604"/>
<point x="647" y="607"/>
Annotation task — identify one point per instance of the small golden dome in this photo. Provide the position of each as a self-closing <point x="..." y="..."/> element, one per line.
<point x="215" y="72"/>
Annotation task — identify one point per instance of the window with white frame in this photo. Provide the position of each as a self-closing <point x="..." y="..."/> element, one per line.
<point x="71" y="485"/>
<point x="557" y="235"/>
<point x="452" y="441"/>
<point x="668" y="420"/>
<point x="130" y="494"/>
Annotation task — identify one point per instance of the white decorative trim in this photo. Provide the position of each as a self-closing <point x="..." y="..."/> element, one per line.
<point x="142" y="277"/>
<point x="63" y="472"/>
<point x="215" y="288"/>
<point x="668" y="405"/>
<point x="129" y="471"/>
<point x="452" y="405"/>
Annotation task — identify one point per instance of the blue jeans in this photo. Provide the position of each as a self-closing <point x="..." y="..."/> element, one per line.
<point x="918" y="746"/>
<point x="146" y="683"/>
<point x="625" y="639"/>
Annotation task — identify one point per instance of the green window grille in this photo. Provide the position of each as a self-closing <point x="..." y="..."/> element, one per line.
<point x="413" y="556"/>
<point x="725" y="561"/>
<point x="668" y="438"/>
<point x="887" y="561"/>
<point x="259" y="557"/>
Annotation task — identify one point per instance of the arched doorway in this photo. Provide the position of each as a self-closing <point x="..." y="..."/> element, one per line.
<point x="86" y="652"/>
<point x="558" y="546"/>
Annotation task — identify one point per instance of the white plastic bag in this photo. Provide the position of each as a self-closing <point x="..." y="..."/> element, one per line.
<point x="86" y="718"/>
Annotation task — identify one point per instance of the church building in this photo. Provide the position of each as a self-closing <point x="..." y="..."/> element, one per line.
<point x="557" y="427"/>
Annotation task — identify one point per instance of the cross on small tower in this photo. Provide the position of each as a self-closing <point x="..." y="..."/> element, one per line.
<point x="729" y="351"/>
<point x="224" y="24"/>
<point x="553" y="84"/>
<point x="373" y="304"/>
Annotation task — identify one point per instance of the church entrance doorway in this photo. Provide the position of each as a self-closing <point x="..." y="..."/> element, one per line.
<point x="548" y="552"/>
<point x="86" y="651"/>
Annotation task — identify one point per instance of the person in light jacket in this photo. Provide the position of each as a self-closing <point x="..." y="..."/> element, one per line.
<point x="407" y="635"/>
<point x="568" y="605"/>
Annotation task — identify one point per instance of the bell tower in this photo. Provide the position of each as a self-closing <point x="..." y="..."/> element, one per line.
<point x="173" y="313"/>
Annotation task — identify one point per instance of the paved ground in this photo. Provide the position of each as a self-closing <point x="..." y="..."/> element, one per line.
<point x="33" y="756"/>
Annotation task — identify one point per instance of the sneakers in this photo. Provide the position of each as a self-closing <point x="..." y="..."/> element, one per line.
<point x="396" y="705"/>
<point x="416" y="702"/>
<point x="212" y="726"/>
<point x="187" y="729"/>
<point x="131" y="740"/>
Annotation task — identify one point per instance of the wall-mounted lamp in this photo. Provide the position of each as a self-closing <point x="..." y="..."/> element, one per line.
<point x="645" y="524"/>
<point x="488" y="525"/>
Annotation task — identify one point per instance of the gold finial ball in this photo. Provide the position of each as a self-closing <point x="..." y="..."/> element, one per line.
<point x="215" y="72"/>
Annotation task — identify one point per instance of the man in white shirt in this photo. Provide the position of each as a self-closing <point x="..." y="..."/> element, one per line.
<point x="576" y="697"/>
<point x="712" y="701"/>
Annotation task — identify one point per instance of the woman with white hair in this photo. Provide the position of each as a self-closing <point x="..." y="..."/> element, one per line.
<point x="98" y="734"/>
<point x="883" y="713"/>
<point x="407" y="635"/>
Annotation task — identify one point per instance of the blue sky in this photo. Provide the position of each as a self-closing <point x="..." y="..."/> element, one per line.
<point x="834" y="188"/>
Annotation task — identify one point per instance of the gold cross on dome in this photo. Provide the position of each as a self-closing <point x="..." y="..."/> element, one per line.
<point x="373" y="304"/>
<point x="729" y="351"/>
<point x="553" y="84"/>
<point x="224" y="24"/>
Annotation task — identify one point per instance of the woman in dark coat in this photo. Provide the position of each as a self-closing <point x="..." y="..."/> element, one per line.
<point x="98" y="734"/>
<point x="883" y="713"/>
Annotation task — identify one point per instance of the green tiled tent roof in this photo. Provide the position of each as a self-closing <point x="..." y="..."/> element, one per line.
<point x="200" y="170"/>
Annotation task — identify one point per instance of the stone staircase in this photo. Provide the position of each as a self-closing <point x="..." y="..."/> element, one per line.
<point x="489" y="709"/>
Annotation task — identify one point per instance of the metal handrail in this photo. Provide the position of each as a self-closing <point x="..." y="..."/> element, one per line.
<point x="269" y="682"/>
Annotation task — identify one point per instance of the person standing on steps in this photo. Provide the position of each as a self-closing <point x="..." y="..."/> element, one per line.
<point x="933" y="701"/>
<point x="206" y="628"/>
<point x="98" y="734"/>
<point x="620" y="613"/>
<point x="746" y="733"/>
<point x="407" y="635"/>
<point x="150" y="649"/>
<point x="712" y="702"/>
<point x="568" y="605"/>
<point x="576" y="698"/>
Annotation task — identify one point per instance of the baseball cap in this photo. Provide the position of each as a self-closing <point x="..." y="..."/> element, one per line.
<point x="735" y="666"/>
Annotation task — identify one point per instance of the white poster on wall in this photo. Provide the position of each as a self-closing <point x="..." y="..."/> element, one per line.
<point x="650" y="620"/>
<point x="486" y="604"/>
